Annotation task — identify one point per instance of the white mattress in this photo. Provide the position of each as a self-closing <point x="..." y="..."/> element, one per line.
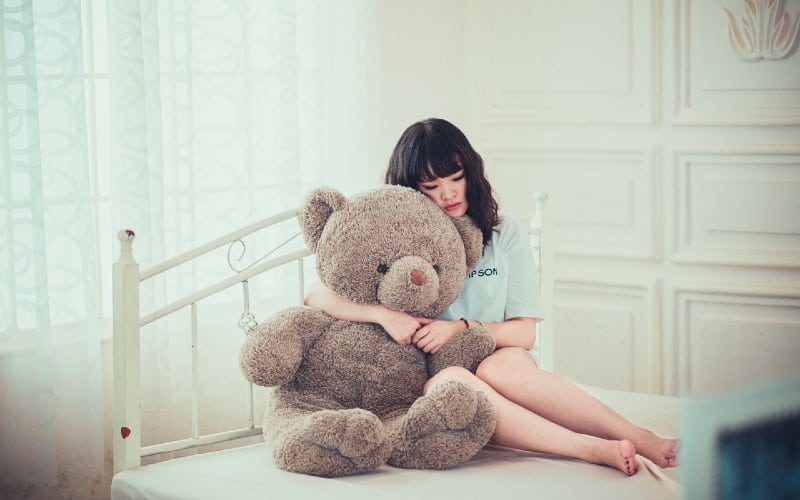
<point x="495" y="473"/>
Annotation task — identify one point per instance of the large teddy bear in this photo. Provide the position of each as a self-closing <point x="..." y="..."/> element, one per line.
<point x="348" y="398"/>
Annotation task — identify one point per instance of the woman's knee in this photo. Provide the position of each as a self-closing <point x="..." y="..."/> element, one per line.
<point x="503" y="363"/>
<point x="450" y="373"/>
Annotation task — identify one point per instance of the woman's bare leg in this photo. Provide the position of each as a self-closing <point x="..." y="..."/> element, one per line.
<point x="522" y="429"/>
<point x="512" y="373"/>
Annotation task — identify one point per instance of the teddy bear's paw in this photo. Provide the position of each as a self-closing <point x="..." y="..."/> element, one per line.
<point x="447" y="426"/>
<point x="457" y="405"/>
<point x="353" y="433"/>
<point x="335" y="443"/>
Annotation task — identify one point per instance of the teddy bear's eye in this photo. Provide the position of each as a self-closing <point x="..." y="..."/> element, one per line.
<point x="383" y="268"/>
<point x="436" y="268"/>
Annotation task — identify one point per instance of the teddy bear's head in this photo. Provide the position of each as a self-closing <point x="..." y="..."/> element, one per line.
<point x="390" y="245"/>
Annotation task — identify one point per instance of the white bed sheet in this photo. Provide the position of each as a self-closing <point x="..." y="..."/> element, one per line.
<point x="495" y="473"/>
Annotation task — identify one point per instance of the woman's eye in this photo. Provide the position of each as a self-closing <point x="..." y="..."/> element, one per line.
<point x="383" y="268"/>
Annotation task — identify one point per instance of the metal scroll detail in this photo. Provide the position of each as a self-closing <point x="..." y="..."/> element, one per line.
<point x="243" y="249"/>
<point x="247" y="321"/>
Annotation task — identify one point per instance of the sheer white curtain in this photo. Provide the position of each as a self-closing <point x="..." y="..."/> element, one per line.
<point x="50" y="364"/>
<point x="225" y="111"/>
<point x="180" y="119"/>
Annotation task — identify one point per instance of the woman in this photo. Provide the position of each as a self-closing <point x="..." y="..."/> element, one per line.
<point x="536" y="410"/>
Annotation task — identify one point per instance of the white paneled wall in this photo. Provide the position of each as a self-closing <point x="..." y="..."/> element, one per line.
<point x="668" y="137"/>
<point x="728" y="335"/>
<point x="607" y="195"/>
<point x="738" y="205"/>
<point x="539" y="67"/>
<point x="606" y="322"/>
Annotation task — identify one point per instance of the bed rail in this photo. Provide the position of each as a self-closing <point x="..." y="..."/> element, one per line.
<point x="128" y="320"/>
<point x="539" y="232"/>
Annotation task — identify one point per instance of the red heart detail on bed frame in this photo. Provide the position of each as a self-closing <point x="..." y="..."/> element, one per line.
<point x="125" y="431"/>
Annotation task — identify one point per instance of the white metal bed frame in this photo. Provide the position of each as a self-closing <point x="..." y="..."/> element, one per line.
<point x="128" y="320"/>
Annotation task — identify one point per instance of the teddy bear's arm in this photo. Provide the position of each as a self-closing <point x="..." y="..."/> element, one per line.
<point x="466" y="349"/>
<point x="272" y="353"/>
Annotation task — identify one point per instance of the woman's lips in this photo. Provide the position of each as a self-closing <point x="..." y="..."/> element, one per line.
<point x="452" y="206"/>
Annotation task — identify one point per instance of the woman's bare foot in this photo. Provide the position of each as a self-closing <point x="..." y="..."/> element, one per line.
<point x="663" y="452"/>
<point x="626" y="457"/>
<point x="618" y="454"/>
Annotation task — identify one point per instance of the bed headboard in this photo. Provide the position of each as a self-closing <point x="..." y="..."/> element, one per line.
<point x="129" y="319"/>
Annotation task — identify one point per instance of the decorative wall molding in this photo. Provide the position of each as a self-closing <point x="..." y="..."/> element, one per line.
<point x="604" y="202"/>
<point x="727" y="337"/>
<point x="754" y="219"/>
<point x="765" y="31"/>
<point x="536" y="69"/>
<point x="619" y="324"/>
<point x="716" y="87"/>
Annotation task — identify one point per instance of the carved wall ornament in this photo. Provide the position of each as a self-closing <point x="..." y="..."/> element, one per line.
<point x="765" y="31"/>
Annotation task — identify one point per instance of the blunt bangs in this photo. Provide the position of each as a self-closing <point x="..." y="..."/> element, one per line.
<point x="435" y="158"/>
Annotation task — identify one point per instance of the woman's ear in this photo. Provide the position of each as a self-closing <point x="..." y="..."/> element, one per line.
<point x="320" y="203"/>
<point x="473" y="240"/>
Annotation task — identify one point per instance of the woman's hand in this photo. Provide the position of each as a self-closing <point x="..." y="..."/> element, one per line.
<point x="436" y="333"/>
<point x="399" y="325"/>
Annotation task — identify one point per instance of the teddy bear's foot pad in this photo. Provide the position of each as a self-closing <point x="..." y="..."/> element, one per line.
<point x="444" y="428"/>
<point x="335" y="443"/>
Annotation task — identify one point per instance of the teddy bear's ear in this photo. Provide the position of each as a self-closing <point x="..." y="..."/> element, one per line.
<point x="473" y="240"/>
<point x="318" y="207"/>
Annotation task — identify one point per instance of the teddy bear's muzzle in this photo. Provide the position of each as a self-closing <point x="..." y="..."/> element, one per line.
<point x="410" y="284"/>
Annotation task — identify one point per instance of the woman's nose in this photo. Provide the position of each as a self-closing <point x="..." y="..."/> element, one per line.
<point x="448" y="192"/>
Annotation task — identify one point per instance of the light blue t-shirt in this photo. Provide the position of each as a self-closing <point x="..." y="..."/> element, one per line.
<point x="505" y="283"/>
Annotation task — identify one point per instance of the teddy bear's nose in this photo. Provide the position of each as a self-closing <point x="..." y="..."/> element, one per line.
<point x="417" y="277"/>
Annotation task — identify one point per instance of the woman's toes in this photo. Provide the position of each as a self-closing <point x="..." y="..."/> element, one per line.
<point x="627" y="453"/>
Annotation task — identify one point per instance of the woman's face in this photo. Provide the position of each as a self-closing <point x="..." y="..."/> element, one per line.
<point x="449" y="193"/>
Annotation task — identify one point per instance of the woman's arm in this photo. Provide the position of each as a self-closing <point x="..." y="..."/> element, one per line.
<point x="399" y="325"/>
<point x="514" y="332"/>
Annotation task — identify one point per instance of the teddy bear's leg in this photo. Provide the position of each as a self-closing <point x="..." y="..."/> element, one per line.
<point x="330" y="443"/>
<point x="443" y="428"/>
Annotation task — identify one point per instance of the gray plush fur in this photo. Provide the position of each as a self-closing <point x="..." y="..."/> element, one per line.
<point x="347" y="397"/>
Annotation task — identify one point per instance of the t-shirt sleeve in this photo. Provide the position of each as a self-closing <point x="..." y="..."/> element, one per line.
<point x="524" y="298"/>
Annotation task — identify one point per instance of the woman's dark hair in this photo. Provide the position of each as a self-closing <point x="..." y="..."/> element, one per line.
<point x="435" y="148"/>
